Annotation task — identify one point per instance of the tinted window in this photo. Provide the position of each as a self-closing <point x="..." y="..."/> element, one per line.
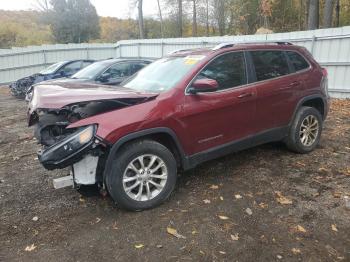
<point x="269" y="64"/>
<point x="118" y="70"/>
<point x="228" y="70"/>
<point x="86" y="63"/>
<point x="297" y="61"/>
<point x="72" y="67"/>
<point x="136" y="67"/>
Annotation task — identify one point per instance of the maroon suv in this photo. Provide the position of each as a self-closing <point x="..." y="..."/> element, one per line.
<point x="184" y="109"/>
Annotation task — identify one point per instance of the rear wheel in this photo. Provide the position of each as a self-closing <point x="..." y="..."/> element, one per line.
<point x="305" y="132"/>
<point x="143" y="175"/>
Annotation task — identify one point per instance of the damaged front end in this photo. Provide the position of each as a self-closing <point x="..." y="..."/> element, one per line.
<point x="77" y="147"/>
<point x="80" y="150"/>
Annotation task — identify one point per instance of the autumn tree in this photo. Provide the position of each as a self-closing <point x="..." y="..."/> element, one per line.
<point x="313" y="19"/>
<point x="328" y="13"/>
<point x="73" y="21"/>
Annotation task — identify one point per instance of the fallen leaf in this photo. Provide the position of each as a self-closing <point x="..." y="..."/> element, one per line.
<point x="214" y="187"/>
<point x="282" y="199"/>
<point x="139" y="246"/>
<point x="194" y="232"/>
<point x="235" y="237"/>
<point x="173" y="231"/>
<point x="249" y="195"/>
<point x="322" y="169"/>
<point x="30" y="248"/>
<point x="223" y="217"/>
<point x="300" y="163"/>
<point x="263" y="205"/>
<point x="238" y="196"/>
<point x="206" y="201"/>
<point x="279" y="257"/>
<point x="221" y="198"/>
<point x="296" y="251"/>
<point x="300" y="229"/>
<point x="337" y="194"/>
<point x="249" y="211"/>
<point x="200" y="251"/>
<point x="334" y="228"/>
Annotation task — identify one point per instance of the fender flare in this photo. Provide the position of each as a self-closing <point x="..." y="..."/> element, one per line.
<point x="139" y="134"/>
<point x="305" y="99"/>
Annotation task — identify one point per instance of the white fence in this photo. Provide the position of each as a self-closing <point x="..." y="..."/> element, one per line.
<point x="330" y="47"/>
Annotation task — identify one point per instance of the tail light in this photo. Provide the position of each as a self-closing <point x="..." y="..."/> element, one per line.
<point x="324" y="72"/>
<point x="324" y="81"/>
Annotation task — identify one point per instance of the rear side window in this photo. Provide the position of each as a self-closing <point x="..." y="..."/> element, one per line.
<point x="228" y="70"/>
<point x="269" y="64"/>
<point x="297" y="61"/>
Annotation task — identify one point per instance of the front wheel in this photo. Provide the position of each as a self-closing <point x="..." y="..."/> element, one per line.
<point x="143" y="175"/>
<point x="305" y="132"/>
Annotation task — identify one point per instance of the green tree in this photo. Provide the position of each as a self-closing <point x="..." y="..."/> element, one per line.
<point x="73" y="21"/>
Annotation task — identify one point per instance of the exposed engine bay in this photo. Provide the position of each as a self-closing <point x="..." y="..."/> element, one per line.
<point x="51" y="124"/>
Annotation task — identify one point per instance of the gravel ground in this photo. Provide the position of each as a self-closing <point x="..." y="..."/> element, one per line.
<point x="262" y="204"/>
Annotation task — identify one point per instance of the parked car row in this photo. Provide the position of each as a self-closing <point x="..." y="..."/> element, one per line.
<point x="109" y="72"/>
<point x="175" y="113"/>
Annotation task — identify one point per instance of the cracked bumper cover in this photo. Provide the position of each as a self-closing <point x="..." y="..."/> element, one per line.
<point x="69" y="150"/>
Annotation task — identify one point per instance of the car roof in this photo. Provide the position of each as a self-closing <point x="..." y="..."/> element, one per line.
<point x="225" y="47"/>
<point x="111" y="61"/>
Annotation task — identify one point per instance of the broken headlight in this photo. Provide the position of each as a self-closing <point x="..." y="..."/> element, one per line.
<point x="68" y="148"/>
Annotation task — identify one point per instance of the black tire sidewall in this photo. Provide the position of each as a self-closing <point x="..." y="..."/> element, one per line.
<point x="114" y="179"/>
<point x="294" y="136"/>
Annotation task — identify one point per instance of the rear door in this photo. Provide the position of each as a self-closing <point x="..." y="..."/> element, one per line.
<point x="277" y="88"/>
<point x="220" y="117"/>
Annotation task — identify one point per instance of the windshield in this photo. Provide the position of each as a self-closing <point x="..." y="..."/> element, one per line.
<point x="90" y="72"/>
<point x="51" y="69"/>
<point x="162" y="74"/>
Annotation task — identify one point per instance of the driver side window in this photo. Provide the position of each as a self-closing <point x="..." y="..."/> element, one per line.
<point x="72" y="68"/>
<point x="117" y="71"/>
<point x="228" y="70"/>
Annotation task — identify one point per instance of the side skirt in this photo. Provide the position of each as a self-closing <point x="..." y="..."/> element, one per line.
<point x="271" y="135"/>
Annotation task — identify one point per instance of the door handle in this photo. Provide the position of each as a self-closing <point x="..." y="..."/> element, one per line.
<point x="244" y="95"/>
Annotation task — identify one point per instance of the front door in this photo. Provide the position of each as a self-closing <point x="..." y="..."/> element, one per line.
<point x="223" y="116"/>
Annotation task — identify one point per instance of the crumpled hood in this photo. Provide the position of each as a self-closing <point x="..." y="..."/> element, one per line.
<point x="58" y="95"/>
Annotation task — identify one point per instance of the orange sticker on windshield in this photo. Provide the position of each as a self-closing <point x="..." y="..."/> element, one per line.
<point x="193" y="59"/>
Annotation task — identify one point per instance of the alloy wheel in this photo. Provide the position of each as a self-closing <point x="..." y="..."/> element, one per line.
<point x="309" y="129"/>
<point x="145" y="177"/>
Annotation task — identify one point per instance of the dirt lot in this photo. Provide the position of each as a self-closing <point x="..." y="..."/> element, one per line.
<point x="263" y="204"/>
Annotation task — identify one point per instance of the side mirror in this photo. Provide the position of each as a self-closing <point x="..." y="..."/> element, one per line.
<point x="203" y="85"/>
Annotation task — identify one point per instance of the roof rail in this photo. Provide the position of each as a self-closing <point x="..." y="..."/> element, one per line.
<point x="180" y="50"/>
<point x="227" y="45"/>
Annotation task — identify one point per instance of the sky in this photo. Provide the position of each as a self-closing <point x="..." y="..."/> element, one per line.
<point x="114" y="8"/>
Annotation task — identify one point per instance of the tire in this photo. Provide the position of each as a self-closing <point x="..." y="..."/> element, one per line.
<point x="296" y="140"/>
<point x="88" y="190"/>
<point x="121" y="171"/>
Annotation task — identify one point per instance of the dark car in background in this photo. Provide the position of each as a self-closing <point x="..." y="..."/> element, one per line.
<point x="58" y="70"/>
<point x="106" y="72"/>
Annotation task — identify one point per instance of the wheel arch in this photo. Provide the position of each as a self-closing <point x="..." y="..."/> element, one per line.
<point x="316" y="101"/>
<point x="162" y="135"/>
